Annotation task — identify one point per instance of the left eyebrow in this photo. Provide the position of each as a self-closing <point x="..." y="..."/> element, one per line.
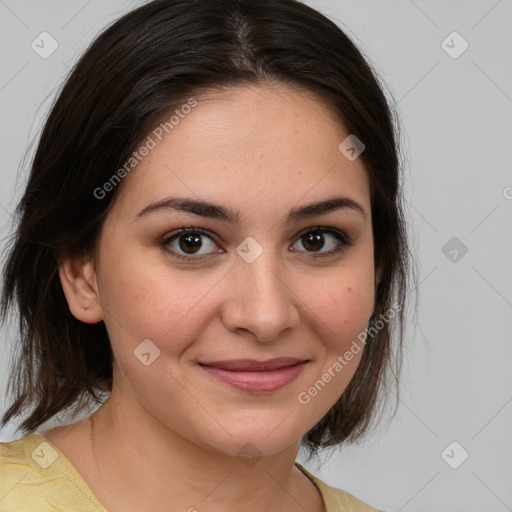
<point x="214" y="211"/>
<point x="324" y="207"/>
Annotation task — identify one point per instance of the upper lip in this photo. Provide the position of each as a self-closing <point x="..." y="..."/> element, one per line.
<point x="254" y="365"/>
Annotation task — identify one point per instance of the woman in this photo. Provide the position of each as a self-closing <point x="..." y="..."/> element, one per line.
<point x="210" y="246"/>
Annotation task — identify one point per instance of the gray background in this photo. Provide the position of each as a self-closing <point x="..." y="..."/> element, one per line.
<point x="456" y="116"/>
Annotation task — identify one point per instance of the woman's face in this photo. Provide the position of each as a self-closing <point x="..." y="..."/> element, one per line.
<point x="260" y="281"/>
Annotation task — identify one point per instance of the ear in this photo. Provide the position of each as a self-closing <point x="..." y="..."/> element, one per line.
<point x="78" y="279"/>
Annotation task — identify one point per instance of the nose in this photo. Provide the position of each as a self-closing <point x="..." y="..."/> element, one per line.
<point x="261" y="300"/>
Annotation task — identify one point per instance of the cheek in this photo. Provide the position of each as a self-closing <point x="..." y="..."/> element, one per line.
<point x="350" y="313"/>
<point x="341" y="313"/>
<point x="142" y="300"/>
<point x="342" y="305"/>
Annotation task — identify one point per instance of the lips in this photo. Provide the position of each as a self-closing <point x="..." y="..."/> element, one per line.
<point x="253" y="375"/>
<point x="250" y="365"/>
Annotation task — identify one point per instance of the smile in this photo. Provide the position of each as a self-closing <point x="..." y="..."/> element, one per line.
<point x="256" y="376"/>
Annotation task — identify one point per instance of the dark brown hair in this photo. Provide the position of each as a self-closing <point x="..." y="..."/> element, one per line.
<point x="135" y="71"/>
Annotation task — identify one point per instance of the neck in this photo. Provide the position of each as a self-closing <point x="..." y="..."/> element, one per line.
<point x="152" y="467"/>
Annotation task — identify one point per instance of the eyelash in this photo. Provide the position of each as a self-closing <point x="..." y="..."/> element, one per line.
<point x="344" y="241"/>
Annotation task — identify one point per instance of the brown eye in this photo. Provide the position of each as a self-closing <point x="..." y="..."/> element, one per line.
<point x="332" y="240"/>
<point x="187" y="243"/>
<point x="313" y="241"/>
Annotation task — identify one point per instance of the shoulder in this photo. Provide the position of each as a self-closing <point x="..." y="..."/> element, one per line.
<point x="24" y="459"/>
<point x="337" y="500"/>
<point x="36" y="476"/>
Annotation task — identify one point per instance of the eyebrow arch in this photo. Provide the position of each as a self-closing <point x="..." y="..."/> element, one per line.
<point x="214" y="211"/>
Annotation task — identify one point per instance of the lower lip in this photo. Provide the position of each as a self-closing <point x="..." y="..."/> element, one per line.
<point x="257" y="381"/>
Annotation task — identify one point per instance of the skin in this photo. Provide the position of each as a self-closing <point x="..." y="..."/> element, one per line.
<point x="169" y="434"/>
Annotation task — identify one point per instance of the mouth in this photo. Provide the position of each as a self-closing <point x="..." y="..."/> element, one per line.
<point x="256" y="376"/>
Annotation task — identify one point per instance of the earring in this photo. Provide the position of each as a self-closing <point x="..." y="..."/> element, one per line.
<point x="85" y="308"/>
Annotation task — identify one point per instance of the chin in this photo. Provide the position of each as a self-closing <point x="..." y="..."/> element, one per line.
<point x="251" y="436"/>
<point x="252" y="447"/>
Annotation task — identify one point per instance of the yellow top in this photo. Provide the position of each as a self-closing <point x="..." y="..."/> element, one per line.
<point x="35" y="476"/>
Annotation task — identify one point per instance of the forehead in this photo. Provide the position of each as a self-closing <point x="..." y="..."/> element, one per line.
<point x="244" y="146"/>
